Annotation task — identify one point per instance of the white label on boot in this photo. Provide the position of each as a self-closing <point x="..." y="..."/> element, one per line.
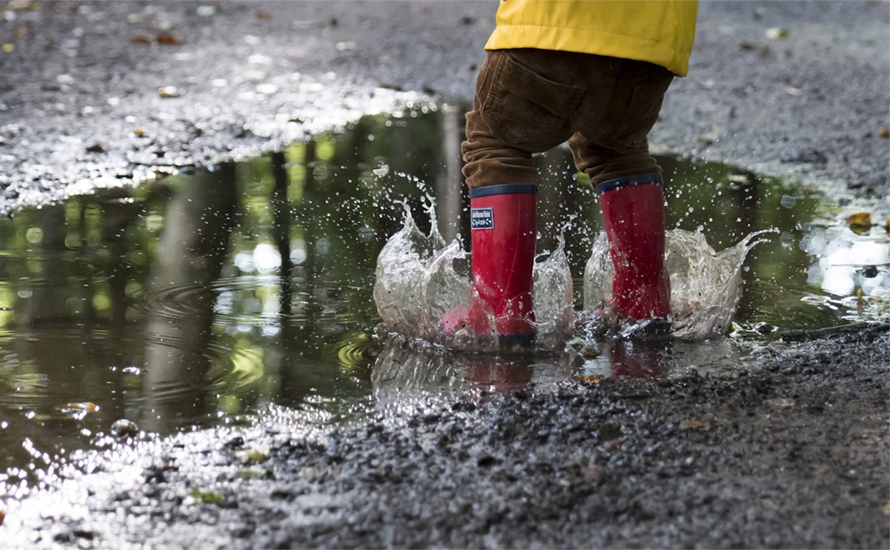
<point x="481" y="218"/>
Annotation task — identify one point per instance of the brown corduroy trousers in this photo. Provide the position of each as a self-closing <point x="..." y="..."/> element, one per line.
<point x="529" y="101"/>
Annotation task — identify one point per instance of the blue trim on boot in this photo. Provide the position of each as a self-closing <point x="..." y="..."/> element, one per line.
<point x="628" y="181"/>
<point x="503" y="189"/>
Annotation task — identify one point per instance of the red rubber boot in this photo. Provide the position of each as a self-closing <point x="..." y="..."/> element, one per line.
<point x="503" y="222"/>
<point x="633" y="212"/>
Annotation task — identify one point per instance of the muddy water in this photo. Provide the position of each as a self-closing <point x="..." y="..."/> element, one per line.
<point x="198" y="299"/>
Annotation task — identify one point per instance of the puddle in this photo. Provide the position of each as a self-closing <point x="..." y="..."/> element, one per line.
<point x="195" y="300"/>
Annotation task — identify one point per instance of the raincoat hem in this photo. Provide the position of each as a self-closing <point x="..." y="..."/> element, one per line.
<point x="581" y="40"/>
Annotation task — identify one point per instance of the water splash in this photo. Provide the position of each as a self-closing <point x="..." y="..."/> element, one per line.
<point x="705" y="285"/>
<point x="400" y="274"/>
<point x="552" y="281"/>
<point x="419" y="279"/>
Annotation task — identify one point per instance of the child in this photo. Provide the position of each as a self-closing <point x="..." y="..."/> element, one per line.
<point x="592" y="72"/>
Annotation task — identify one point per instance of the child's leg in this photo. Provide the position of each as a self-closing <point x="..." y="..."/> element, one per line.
<point x="516" y="113"/>
<point x="523" y="105"/>
<point x="601" y="163"/>
<point x="489" y="160"/>
<point x="628" y="182"/>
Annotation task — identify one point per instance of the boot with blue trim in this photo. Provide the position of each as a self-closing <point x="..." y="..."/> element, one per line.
<point x="633" y="213"/>
<point x="504" y="234"/>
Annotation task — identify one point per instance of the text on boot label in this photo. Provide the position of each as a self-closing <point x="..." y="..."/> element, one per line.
<point x="481" y="218"/>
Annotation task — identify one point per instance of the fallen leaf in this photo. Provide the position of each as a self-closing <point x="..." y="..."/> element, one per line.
<point x="885" y="132"/>
<point x="167" y="38"/>
<point x="2" y="516"/>
<point x="253" y="473"/>
<point x="860" y="302"/>
<point x="591" y="380"/>
<point x="138" y="133"/>
<point x="860" y="223"/>
<point x="887" y="225"/>
<point x="885" y="508"/>
<point x="780" y="403"/>
<point x="169" y="91"/>
<point x="139" y="39"/>
<point x="7" y="48"/>
<point x="696" y="425"/>
<point x="206" y="497"/>
<point x="776" y="33"/>
<point x="86" y="406"/>
<point x="252" y="455"/>
<point x="262" y="16"/>
<point x="762" y="49"/>
<point x="95" y="148"/>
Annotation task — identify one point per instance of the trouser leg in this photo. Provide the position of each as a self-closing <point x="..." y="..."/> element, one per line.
<point x="602" y="163"/>
<point x="491" y="161"/>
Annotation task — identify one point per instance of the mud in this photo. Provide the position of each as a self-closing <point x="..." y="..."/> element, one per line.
<point x="792" y="452"/>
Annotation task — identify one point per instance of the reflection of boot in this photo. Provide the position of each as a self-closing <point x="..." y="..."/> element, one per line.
<point x="504" y="233"/>
<point x="637" y="359"/>
<point x="498" y="373"/>
<point x="633" y="212"/>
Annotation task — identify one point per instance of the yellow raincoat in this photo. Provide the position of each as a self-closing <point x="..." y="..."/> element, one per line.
<point x="657" y="31"/>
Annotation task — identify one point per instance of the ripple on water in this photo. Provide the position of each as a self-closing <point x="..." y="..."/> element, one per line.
<point x="248" y="300"/>
<point x="113" y="368"/>
<point x="78" y="266"/>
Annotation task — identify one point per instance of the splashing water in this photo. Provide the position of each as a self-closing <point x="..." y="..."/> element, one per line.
<point x="419" y="280"/>
<point x="705" y="285"/>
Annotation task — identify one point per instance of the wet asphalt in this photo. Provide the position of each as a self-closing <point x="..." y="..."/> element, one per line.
<point x="81" y="102"/>
<point x="792" y="451"/>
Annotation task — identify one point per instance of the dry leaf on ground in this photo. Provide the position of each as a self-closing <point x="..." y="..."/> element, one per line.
<point x="168" y="39"/>
<point x="697" y="425"/>
<point x="860" y="223"/>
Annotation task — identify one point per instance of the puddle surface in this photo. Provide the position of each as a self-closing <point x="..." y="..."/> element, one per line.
<point x="194" y="300"/>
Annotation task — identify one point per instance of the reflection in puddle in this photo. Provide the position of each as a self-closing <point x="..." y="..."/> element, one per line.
<point x="660" y="359"/>
<point x="852" y="267"/>
<point x="406" y="367"/>
<point x="194" y="300"/>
